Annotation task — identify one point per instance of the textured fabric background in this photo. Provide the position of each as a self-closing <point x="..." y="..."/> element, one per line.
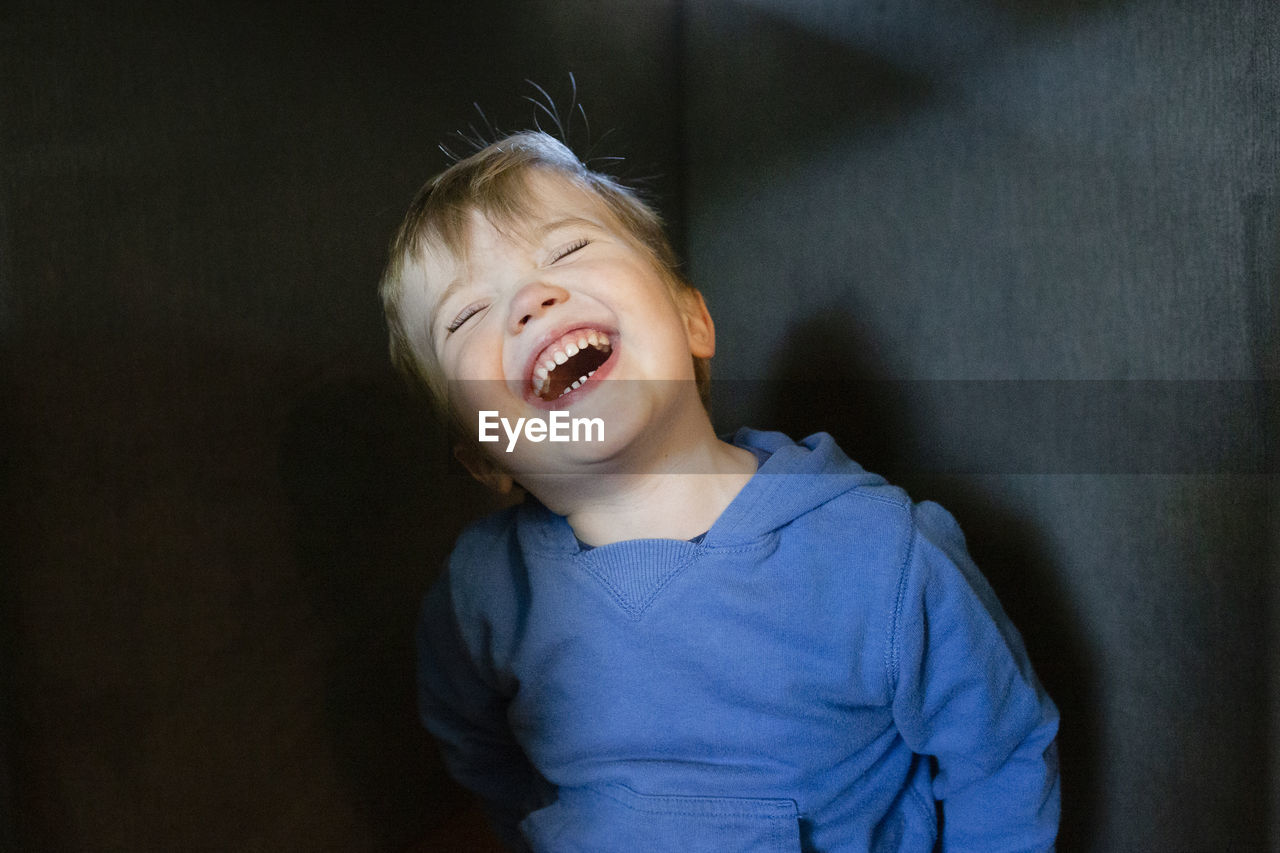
<point x="221" y="510"/>
<point x="1021" y="257"/>
<point x="932" y="228"/>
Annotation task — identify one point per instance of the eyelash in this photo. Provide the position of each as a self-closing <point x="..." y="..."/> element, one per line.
<point x="466" y="315"/>
<point x="569" y="249"/>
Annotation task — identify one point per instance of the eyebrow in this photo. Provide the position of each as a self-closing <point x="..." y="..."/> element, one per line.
<point x="565" y="222"/>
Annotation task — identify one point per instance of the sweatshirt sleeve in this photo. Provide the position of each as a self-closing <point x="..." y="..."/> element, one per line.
<point x="461" y="704"/>
<point x="966" y="695"/>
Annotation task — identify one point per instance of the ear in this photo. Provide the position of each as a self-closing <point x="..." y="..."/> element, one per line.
<point x="699" y="329"/>
<point x="482" y="468"/>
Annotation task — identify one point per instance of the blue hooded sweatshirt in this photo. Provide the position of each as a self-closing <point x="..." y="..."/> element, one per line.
<point x="824" y="670"/>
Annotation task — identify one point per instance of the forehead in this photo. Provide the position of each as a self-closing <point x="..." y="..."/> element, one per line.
<point x="519" y="221"/>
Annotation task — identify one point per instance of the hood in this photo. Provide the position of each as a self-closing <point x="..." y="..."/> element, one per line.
<point x="794" y="479"/>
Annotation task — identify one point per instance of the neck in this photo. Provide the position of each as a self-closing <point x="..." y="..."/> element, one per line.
<point x="679" y="496"/>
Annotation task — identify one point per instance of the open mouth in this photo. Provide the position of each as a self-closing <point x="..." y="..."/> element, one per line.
<point x="568" y="362"/>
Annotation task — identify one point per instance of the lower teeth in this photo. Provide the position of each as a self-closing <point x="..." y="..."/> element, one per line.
<point x="581" y="380"/>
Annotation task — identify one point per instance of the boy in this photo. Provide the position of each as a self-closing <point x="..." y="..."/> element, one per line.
<point x="678" y="643"/>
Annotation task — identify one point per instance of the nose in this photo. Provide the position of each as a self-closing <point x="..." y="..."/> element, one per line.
<point x="532" y="301"/>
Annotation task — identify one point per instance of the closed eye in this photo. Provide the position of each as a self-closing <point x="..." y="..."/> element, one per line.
<point x="565" y="251"/>
<point x="467" y="313"/>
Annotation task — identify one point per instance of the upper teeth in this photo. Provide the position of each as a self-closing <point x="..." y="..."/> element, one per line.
<point x="561" y="351"/>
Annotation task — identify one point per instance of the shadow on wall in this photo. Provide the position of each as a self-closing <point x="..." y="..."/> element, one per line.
<point x="8" y="637"/>
<point x="879" y="427"/>
<point x="376" y="506"/>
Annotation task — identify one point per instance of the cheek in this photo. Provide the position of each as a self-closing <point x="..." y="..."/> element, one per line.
<point x="467" y="398"/>
<point x="476" y="357"/>
<point x="476" y="377"/>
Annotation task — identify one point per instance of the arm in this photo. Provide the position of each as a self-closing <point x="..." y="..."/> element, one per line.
<point x="460" y="703"/>
<point x="966" y="695"/>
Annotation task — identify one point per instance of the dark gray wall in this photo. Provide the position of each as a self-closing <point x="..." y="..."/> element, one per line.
<point x="929" y="227"/>
<point x="1022" y="258"/>
<point x="220" y="509"/>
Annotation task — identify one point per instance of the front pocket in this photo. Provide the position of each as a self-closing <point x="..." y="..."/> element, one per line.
<point x="616" y="819"/>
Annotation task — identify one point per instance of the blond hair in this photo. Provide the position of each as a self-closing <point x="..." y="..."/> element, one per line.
<point x="493" y="181"/>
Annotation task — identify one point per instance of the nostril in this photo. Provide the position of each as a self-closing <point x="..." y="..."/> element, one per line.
<point x="532" y="301"/>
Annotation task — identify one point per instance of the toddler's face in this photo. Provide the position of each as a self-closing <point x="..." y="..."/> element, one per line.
<point x="536" y="319"/>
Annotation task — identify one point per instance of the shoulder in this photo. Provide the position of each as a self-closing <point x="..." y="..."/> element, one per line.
<point x="484" y="538"/>
<point x="865" y="506"/>
<point x="900" y="546"/>
<point x="880" y="505"/>
<point x="485" y="564"/>
<point x="879" y="516"/>
<point x="897" y="538"/>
